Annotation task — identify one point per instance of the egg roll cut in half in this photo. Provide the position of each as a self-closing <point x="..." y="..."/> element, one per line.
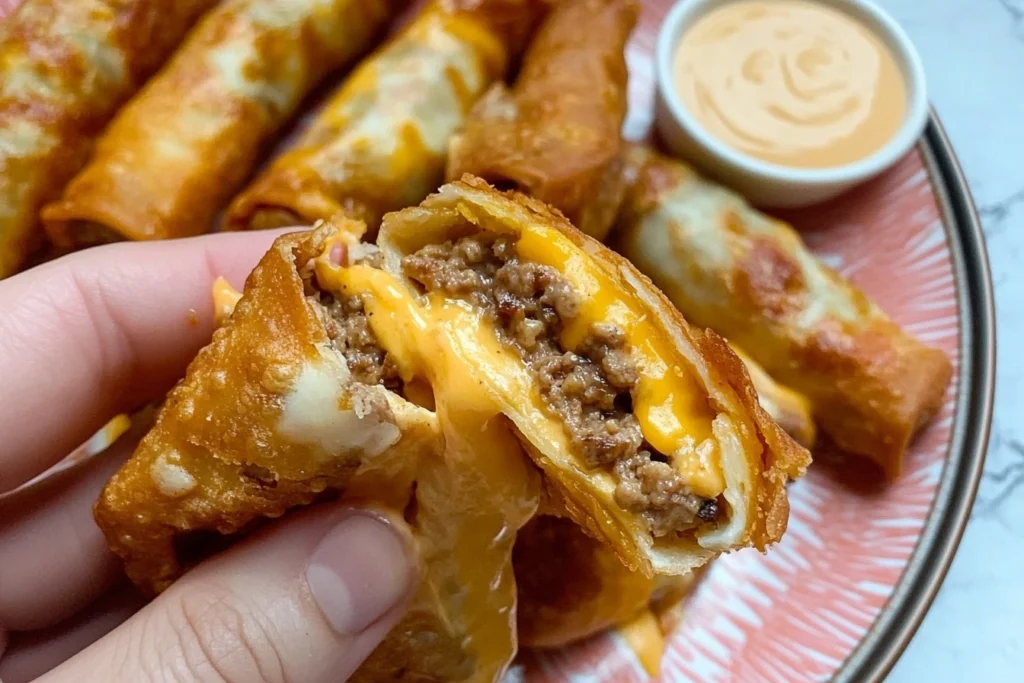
<point x="556" y="134"/>
<point x="750" y="278"/>
<point x="647" y="428"/>
<point x="176" y="153"/>
<point x="380" y="142"/>
<point x="67" y="67"/>
<point x="297" y="398"/>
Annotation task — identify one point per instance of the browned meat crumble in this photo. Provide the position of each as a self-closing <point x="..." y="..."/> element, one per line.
<point x="348" y="327"/>
<point x="589" y="390"/>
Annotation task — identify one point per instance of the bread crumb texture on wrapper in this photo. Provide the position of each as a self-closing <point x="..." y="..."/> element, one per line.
<point x="339" y="374"/>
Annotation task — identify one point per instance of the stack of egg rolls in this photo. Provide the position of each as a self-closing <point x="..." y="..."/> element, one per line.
<point x="380" y="142"/>
<point x="556" y="134"/>
<point x="174" y="156"/>
<point x="67" y="67"/>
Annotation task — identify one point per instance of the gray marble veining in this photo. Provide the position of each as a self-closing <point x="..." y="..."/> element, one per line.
<point x="973" y="51"/>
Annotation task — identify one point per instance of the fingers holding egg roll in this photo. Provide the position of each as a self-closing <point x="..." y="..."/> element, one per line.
<point x="303" y="395"/>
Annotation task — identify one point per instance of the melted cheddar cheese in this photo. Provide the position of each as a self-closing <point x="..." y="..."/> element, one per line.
<point x="645" y="638"/>
<point x="669" y="404"/>
<point x="225" y="297"/>
<point x="414" y="336"/>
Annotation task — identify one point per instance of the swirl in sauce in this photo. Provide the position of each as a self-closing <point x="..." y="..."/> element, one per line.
<point x="791" y="82"/>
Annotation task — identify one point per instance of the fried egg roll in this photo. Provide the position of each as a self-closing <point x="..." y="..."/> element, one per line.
<point x="750" y="278"/>
<point x="789" y="408"/>
<point x="556" y="134"/>
<point x="648" y="430"/>
<point x="175" y="155"/>
<point x="380" y="142"/>
<point x="571" y="585"/>
<point x="298" y="398"/>
<point x="66" y="67"/>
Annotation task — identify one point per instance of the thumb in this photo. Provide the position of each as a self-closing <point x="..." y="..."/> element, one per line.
<point x="307" y="600"/>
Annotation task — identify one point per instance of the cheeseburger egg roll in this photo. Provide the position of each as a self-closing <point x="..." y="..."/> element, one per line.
<point x="750" y="278"/>
<point x="647" y="430"/>
<point x="303" y="395"/>
<point x="67" y="67"/>
<point x="380" y="142"/>
<point x="789" y="408"/>
<point x="177" y="152"/>
<point x="556" y="133"/>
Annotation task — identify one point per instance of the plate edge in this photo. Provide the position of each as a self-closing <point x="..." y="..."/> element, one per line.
<point x="890" y="634"/>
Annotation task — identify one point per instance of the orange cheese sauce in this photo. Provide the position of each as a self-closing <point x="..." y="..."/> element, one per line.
<point x="791" y="82"/>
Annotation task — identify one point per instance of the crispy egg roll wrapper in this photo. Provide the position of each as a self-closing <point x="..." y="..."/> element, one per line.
<point x="750" y="278"/>
<point x="67" y="67"/>
<point x="270" y="416"/>
<point x="556" y="133"/>
<point x="789" y="408"/>
<point x="571" y="585"/>
<point x="690" y="399"/>
<point x="380" y="142"/>
<point x="174" y="156"/>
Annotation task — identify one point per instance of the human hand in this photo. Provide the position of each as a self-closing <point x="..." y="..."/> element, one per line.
<point x="102" y="332"/>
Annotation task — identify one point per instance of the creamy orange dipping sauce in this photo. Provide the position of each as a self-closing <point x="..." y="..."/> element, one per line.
<point x="792" y="82"/>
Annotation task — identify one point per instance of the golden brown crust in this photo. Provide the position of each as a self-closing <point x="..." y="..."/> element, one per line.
<point x="790" y="409"/>
<point x="205" y="465"/>
<point x="749" y="277"/>
<point x="176" y="153"/>
<point x="379" y="143"/>
<point x="67" y="67"/>
<point x="556" y="135"/>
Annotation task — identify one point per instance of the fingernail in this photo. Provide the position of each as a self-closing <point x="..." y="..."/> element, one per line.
<point x="359" y="571"/>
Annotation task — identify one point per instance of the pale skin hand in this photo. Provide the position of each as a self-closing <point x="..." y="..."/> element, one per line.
<point x="102" y="332"/>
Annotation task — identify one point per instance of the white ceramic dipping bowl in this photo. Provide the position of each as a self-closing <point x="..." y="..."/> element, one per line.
<point x="765" y="183"/>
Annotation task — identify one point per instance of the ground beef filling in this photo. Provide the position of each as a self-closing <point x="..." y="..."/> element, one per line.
<point x="590" y="390"/>
<point x="348" y="327"/>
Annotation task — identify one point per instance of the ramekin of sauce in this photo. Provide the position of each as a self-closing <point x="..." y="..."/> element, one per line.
<point x="789" y="101"/>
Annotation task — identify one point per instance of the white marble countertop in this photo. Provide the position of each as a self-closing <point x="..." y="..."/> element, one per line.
<point x="973" y="51"/>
